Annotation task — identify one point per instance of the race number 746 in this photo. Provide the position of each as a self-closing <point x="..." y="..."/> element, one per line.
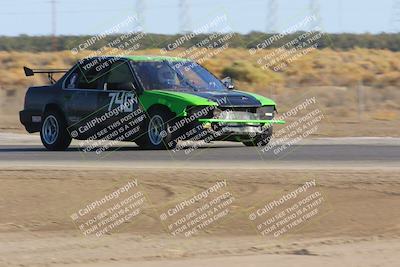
<point x="124" y="99"/>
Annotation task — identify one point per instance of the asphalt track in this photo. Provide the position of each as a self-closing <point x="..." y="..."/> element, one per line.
<point x="25" y="150"/>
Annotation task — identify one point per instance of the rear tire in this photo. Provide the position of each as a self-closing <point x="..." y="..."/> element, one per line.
<point x="54" y="133"/>
<point x="155" y="135"/>
<point x="260" y="139"/>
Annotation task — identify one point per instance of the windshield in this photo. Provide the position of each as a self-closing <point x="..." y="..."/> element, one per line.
<point x="176" y="75"/>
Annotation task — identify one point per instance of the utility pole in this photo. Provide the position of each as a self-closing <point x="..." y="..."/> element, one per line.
<point x="140" y="9"/>
<point x="272" y="16"/>
<point x="315" y="10"/>
<point x="395" y="19"/>
<point x="53" y="25"/>
<point x="339" y="16"/>
<point x="184" y="16"/>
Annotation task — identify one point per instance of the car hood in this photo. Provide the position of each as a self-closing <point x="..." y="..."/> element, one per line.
<point x="229" y="98"/>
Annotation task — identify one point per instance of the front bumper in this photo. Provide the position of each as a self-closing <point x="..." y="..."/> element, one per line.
<point x="228" y="121"/>
<point x="238" y="127"/>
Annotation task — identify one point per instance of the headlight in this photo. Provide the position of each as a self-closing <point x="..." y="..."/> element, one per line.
<point x="266" y="112"/>
<point x="216" y="112"/>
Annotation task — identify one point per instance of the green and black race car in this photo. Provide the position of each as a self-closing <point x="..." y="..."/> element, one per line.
<point x="151" y="100"/>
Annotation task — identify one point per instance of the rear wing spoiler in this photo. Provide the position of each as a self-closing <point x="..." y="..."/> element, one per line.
<point x="50" y="72"/>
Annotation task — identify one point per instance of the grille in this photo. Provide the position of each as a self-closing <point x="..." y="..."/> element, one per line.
<point x="239" y="115"/>
<point x="243" y="109"/>
<point x="248" y="113"/>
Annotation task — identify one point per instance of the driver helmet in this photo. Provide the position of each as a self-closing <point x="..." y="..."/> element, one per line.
<point x="165" y="75"/>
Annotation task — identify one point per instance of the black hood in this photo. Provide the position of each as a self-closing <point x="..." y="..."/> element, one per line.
<point x="228" y="98"/>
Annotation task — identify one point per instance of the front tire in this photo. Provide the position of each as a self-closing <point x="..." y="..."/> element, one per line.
<point x="155" y="135"/>
<point x="54" y="133"/>
<point x="260" y="139"/>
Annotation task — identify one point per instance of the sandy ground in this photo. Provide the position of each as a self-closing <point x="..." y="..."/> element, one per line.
<point x="357" y="224"/>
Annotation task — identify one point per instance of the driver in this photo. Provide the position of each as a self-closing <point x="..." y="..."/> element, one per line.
<point x="166" y="77"/>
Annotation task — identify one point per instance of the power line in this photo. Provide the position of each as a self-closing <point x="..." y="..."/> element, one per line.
<point x="339" y="17"/>
<point x="53" y="24"/>
<point x="395" y="18"/>
<point x="315" y="10"/>
<point x="140" y="11"/>
<point x="272" y="16"/>
<point x="184" y="16"/>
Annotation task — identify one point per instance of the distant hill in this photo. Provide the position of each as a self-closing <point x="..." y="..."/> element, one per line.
<point x="343" y="41"/>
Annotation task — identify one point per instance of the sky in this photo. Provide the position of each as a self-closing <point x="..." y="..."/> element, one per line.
<point x="77" y="17"/>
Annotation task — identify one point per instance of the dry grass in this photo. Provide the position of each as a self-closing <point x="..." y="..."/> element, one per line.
<point x="375" y="68"/>
<point x="351" y="86"/>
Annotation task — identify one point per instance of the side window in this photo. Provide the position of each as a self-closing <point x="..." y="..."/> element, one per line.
<point x="88" y="79"/>
<point x="119" y="77"/>
<point x="71" y="81"/>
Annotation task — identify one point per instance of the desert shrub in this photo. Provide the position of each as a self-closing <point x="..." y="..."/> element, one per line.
<point x="242" y="71"/>
<point x="326" y="67"/>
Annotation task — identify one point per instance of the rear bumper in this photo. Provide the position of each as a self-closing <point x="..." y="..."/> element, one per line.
<point x="30" y="120"/>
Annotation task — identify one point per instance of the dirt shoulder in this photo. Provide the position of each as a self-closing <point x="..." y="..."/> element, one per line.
<point x="359" y="216"/>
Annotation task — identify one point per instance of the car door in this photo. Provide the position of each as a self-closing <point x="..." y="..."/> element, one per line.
<point x="80" y="94"/>
<point x="119" y="98"/>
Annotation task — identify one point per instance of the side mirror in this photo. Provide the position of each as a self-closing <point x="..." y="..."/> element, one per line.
<point x="227" y="81"/>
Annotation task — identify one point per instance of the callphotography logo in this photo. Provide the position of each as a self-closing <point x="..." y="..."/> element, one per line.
<point x="289" y="212"/>
<point x="118" y="121"/>
<point x="199" y="133"/>
<point x="303" y="120"/>
<point x="199" y="212"/>
<point x="110" y="212"/>
<point x="279" y="59"/>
